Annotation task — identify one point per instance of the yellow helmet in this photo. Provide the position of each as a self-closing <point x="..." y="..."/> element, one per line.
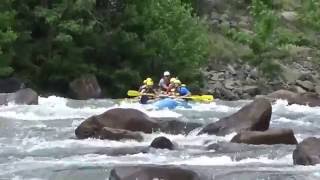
<point x="149" y="83"/>
<point x="184" y="85"/>
<point x="148" y="79"/>
<point x="177" y="81"/>
<point x="144" y="81"/>
<point x="172" y="80"/>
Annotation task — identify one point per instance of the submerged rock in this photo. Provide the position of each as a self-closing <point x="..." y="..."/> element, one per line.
<point x="152" y="172"/>
<point x="307" y="152"/>
<point x="162" y="143"/>
<point x="118" y="118"/>
<point x="252" y="117"/>
<point x="274" y="136"/>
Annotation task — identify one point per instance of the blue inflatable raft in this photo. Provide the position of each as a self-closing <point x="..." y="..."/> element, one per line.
<point x="170" y="104"/>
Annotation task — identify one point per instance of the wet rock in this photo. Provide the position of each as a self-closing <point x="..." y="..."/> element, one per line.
<point x="117" y="134"/>
<point x="307" y="152"/>
<point x="162" y="143"/>
<point x="85" y="87"/>
<point x="11" y="85"/>
<point x="310" y="99"/>
<point x="317" y="89"/>
<point x="252" y="117"/>
<point x="152" y="172"/>
<point x="23" y="96"/>
<point x="273" y="136"/>
<point x="307" y="85"/>
<point x="118" y="118"/>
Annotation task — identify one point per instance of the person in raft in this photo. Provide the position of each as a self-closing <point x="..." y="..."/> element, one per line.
<point x="171" y="88"/>
<point x="144" y="86"/>
<point x="148" y="92"/>
<point x="149" y="88"/>
<point x="181" y="89"/>
<point x="164" y="81"/>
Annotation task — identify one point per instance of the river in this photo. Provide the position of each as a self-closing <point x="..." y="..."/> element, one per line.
<point x="38" y="142"/>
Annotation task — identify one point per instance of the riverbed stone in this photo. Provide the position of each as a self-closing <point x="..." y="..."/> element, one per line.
<point x="307" y="152"/>
<point x="252" y="117"/>
<point x="117" y="134"/>
<point x="271" y="136"/>
<point x="118" y="118"/>
<point x="85" y="87"/>
<point x="162" y="143"/>
<point x="152" y="173"/>
<point x="23" y="96"/>
<point x="306" y="85"/>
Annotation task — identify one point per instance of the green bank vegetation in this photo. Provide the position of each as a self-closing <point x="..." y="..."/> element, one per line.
<point x="49" y="43"/>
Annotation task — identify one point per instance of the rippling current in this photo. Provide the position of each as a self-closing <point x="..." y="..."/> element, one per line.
<point x="38" y="142"/>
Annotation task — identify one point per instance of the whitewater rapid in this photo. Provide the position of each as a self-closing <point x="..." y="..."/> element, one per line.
<point x="38" y="141"/>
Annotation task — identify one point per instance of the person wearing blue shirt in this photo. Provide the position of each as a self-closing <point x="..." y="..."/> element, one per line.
<point x="182" y="91"/>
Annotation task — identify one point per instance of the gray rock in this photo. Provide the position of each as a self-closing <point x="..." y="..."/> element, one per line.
<point x="252" y="117"/>
<point x="232" y="70"/>
<point x="273" y="136"/>
<point x="23" y="96"/>
<point x="85" y="87"/>
<point x="117" y="134"/>
<point x="229" y="84"/>
<point x="298" y="89"/>
<point x="151" y="172"/>
<point x="307" y="85"/>
<point x="317" y="89"/>
<point x="307" y="152"/>
<point x="251" y="90"/>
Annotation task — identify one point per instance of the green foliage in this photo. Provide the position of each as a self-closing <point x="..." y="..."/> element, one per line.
<point x="121" y="42"/>
<point x="267" y="38"/>
<point x="7" y="37"/>
<point x="310" y="13"/>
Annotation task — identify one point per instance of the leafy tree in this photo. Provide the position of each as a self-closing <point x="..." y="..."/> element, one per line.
<point x="7" y="37"/>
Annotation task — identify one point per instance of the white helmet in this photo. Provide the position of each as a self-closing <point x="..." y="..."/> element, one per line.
<point x="166" y="73"/>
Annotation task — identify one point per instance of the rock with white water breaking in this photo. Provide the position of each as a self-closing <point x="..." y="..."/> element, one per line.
<point x="85" y="87"/>
<point x="152" y="173"/>
<point x="252" y="117"/>
<point x="22" y="96"/>
<point x="162" y="143"/>
<point x="307" y="152"/>
<point x="310" y="99"/>
<point x="118" y="118"/>
<point x="272" y="136"/>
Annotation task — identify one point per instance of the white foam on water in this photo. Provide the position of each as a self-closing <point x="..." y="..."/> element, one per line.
<point x="296" y="121"/>
<point x="281" y="106"/>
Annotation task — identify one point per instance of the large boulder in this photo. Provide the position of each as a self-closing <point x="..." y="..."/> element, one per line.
<point x="117" y="134"/>
<point x="307" y="152"/>
<point x="252" y="117"/>
<point x="85" y="87"/>
<point x="310" y="99"/>
<point x="162" y="143"/>
<point x="152" y="172"/>
<point x="274" y="136"/>
<point x="23" y="96"/>
<point x="118" y="118"/>
<point x="10" y="85"/>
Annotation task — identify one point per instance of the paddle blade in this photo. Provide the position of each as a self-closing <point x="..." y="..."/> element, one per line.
<point x="133" y="93"/>
<point x="207" y="98"/>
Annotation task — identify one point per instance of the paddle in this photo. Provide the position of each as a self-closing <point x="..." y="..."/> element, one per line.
<point x="203" y="98"/>
<point x="133" y="93"/>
